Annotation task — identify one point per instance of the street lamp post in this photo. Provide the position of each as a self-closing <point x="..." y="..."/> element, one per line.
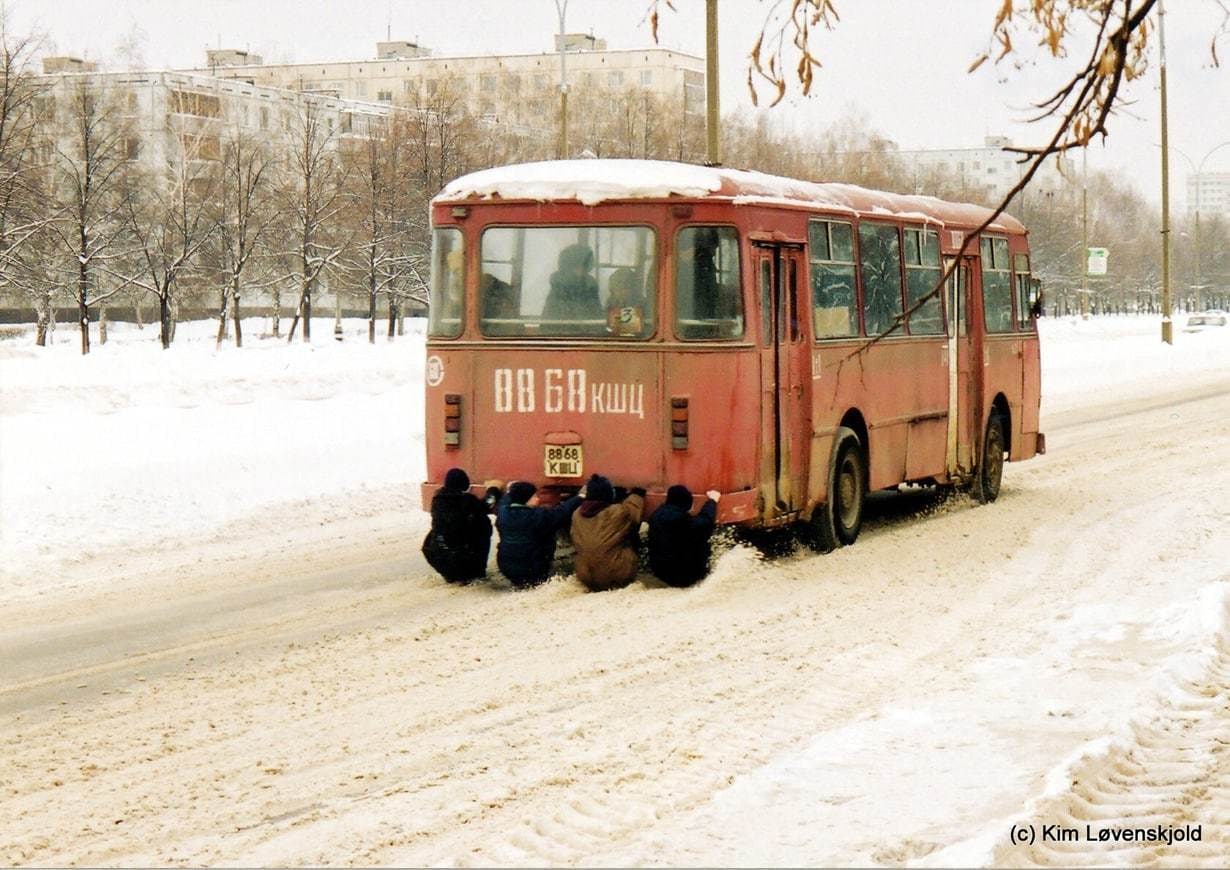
<point x="713" y="153"/>
<point x="1167" y="326"/>
<point x="1085" y="232"/>
<point x="561" y="7"/>
<point x="1198" y="172"/>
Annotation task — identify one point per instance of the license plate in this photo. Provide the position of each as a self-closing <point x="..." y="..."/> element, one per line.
<point x="562" y="460"/>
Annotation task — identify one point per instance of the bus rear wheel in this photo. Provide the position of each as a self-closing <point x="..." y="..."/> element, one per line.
<point x="837" y="522"/>
<point x="991" y="468"/>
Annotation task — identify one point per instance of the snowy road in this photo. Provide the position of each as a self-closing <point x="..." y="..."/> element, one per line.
<point x="316" y="697"/>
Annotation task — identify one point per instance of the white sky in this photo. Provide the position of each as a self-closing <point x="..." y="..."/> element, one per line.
<point x="901" y="63"/>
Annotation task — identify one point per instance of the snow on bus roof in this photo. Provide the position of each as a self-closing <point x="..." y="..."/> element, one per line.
<point x="598" y="180"/>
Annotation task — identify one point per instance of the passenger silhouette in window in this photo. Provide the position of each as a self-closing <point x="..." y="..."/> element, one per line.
<point x="625" y="303"/>
<point x="574" y="290"/>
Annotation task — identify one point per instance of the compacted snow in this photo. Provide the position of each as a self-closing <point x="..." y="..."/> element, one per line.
<point x="223" y="647"/>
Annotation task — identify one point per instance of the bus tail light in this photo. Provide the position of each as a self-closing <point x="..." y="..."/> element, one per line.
<point x="452" y="420"/>
<point x="679" y="423"/>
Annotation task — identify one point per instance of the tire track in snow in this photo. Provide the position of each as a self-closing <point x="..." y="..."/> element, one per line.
<point x="1172" y="768"/>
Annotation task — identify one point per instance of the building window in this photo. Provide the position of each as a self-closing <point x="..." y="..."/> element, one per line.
<point x="540" y="81"/>
<point x="410" y="86"/>
<point x="646" y="77"/>
<point x="615" y="78"/>
<point x="486" y="83"/>
<point x="384" y="96"/>
<point x="264" y="118"/>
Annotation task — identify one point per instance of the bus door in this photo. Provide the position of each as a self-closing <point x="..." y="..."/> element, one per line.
<point x="964" y="368"/>
<point x="785" y="377"/>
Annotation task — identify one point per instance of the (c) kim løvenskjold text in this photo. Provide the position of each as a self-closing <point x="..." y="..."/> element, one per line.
<point x="1117" y="834"/>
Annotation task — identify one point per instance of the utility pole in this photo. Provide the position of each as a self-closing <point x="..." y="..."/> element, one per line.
<point x="561" y="7"/>
<point x="713" y="114"/>
<point x="1167" y="326"/>
<point x="1085" y="232"/>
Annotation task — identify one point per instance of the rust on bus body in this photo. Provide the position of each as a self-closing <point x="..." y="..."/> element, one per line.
<point x="752" y="414"/>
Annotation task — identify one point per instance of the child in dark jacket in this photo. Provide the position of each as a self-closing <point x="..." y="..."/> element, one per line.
<point x="460" y="537"/>
<point x="526" y="550"/>
<point x="679" y="542"/>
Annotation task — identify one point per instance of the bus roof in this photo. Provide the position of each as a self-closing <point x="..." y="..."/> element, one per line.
<point x="593" y="181"/>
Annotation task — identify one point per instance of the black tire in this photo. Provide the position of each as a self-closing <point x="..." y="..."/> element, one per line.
<point x="991" y="468"/>
<point x="838" y="521"/>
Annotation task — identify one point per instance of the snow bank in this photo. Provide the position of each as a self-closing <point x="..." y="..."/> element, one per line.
<point x="133" y="445"/>
<point x="1086" y="358"/>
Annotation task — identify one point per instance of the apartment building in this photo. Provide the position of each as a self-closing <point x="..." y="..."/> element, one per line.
<point x="988" y="171"/>
<point x="517" y="89"/>
<point x="1209" y="194"/>
<point x="170" y="113"/>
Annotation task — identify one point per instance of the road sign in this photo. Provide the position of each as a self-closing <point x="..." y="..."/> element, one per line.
<point x="1096" y="263"/>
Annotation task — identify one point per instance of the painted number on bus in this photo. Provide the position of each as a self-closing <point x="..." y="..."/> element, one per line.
<point x="565" y="391"/>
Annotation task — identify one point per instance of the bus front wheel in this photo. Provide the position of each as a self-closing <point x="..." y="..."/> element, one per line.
<point x="991" y="468"/>
<point x="837" y="522"/>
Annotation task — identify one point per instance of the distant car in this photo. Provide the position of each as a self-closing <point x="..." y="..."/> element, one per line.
<point x="1201" y="322"/>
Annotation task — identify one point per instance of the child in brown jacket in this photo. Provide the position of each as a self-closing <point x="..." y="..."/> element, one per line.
<point x="605" y="534"/>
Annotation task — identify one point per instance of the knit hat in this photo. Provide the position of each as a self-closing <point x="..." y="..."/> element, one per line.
<point x="599" y="489"/>
<point x="456" y="479"/>
<point x="521" y="492"/>
<point x="679" y="496"/>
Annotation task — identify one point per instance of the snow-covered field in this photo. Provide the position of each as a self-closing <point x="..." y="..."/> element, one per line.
<point x="223" y="647"/>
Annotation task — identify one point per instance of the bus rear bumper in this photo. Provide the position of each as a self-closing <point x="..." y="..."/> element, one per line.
<point x="736" y="507"/>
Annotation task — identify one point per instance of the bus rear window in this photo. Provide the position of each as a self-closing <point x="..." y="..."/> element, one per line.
<point x="708" y="293"/>
<point x="576" y="281"/>
<point x="447" y="283"/>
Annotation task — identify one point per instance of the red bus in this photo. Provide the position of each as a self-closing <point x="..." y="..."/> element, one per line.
<point x="665" y="323"/>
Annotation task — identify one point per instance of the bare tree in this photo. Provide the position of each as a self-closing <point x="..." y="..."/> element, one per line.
<point x="244" y="213"/>
<point x="313" y="193"/>
<point x="167" y="213"/>
<point x="92" y="146"/>
<point x="386" y="255"/>
<point x="25" y="211"/>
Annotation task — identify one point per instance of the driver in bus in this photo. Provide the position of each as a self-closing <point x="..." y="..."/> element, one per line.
<point x="574" y="290"/>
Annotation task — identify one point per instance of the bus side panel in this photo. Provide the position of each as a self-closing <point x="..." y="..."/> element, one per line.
<point x="835" y="389"/>
<point x="1002" y="360"/>
<point x="723" y="420"/>
<point x="927" y="361"/>
<point x="1031" y="396"/>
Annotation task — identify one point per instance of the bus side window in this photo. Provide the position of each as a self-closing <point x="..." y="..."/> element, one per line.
<point x="447" y="283"/>
<point x="880" y="257"/>
<point x="766" y="302"/>
<point x="708" y="294"/>
<point x="1025" y="297"/>
<point x="996" y="286"/>
<point x="831" y="251"/>
<point x="922" y="274"/>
